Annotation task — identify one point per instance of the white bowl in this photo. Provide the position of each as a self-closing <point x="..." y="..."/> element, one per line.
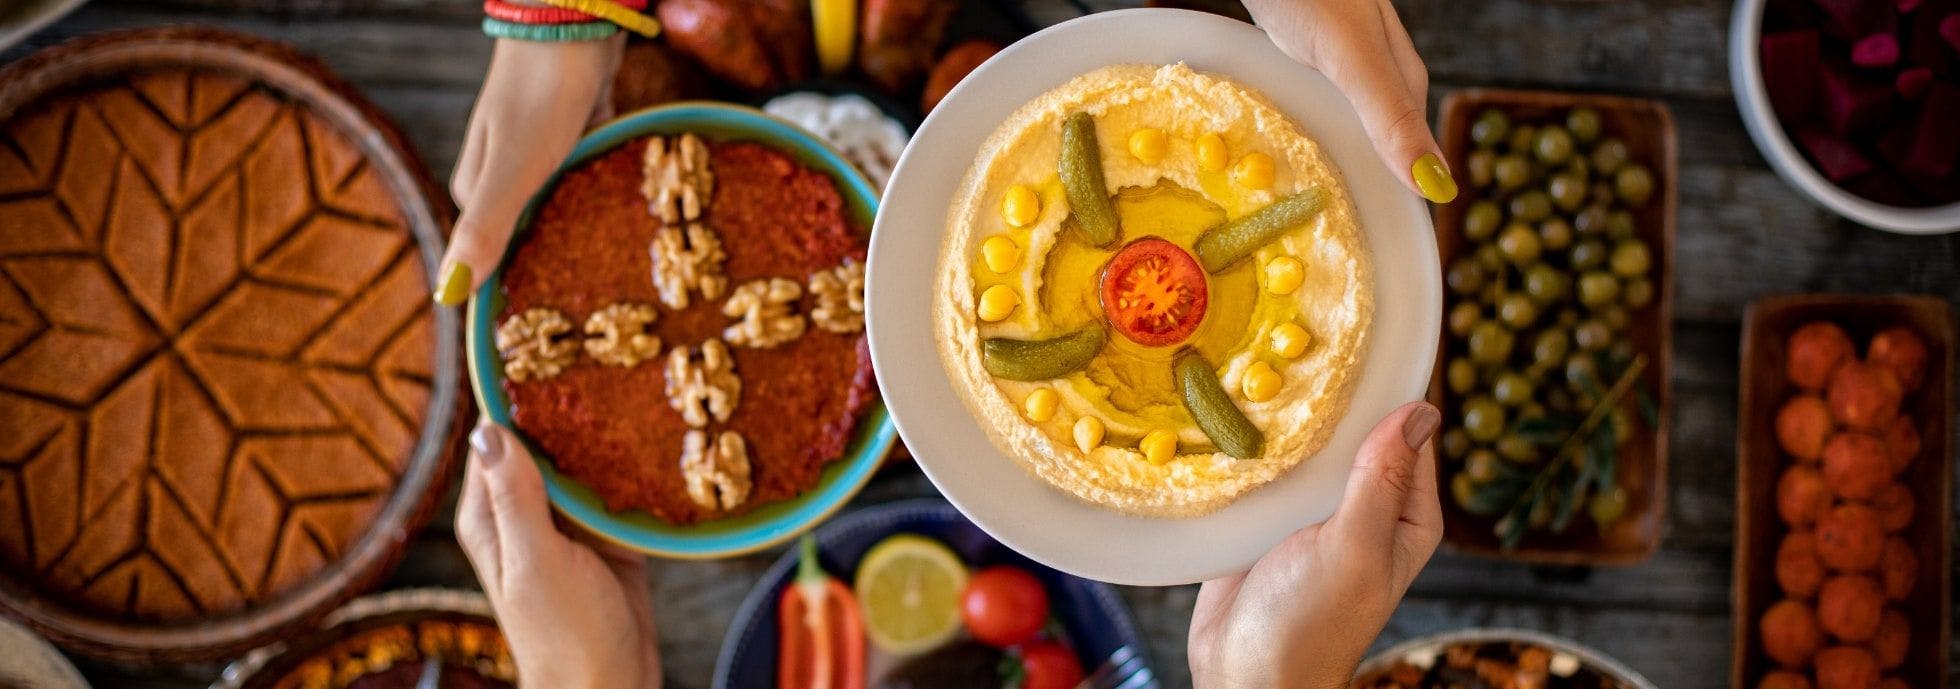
<point x="1752" y="98"/>
<point x="994" y="491"/>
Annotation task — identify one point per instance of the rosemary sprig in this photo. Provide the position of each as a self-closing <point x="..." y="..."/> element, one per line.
<point x="1511" y="527"/>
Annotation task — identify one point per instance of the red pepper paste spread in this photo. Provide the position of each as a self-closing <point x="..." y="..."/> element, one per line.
<point x="612" y="428"/>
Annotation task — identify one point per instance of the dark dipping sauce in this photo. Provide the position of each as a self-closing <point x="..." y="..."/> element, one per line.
<point x="611" y="428"/>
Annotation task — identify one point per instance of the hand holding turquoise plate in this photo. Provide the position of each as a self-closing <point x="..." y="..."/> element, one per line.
<point x="749" y="531"/>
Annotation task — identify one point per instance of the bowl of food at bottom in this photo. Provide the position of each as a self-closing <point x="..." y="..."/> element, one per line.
<point x="676" y="332"/>
<point x="1495" y="658"/>
<point x="912" y="594"/>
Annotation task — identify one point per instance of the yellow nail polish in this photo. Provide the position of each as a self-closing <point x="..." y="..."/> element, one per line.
<point x="455" y="285"/>
<point x="1433" y="180"/>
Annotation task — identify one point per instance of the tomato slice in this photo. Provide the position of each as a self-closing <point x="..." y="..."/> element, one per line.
<point x="1154" y="292"/>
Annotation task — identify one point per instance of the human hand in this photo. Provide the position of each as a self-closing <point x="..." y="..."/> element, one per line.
<point x="1304" y="614"/>
<point x="536" y="100"/>
<point x="1362" y="47"/>
<point x="576" y="616"/>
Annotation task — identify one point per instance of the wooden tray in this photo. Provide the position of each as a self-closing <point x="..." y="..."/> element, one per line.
<point x="1759" y="462"/>
<point x="1648" y="129"/>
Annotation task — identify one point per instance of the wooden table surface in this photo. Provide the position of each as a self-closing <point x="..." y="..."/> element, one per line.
<point x="1743" y="234"/>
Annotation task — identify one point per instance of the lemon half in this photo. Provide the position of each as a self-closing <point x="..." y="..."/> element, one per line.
<point x="909" y="589"/>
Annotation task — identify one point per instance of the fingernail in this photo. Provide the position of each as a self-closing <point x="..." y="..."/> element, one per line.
<point x="488" y="443"/>
<point x="1433" y="180"/>
<point x="1420" y="426"/>
<point x="455" y="285"/>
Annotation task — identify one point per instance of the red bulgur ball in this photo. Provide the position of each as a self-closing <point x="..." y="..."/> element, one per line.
<point x="1898" y="568"/>
<point x="1802" y="496"/>
<point x="1856" y="465"/>
<point x="1816" y="350"/>
<point x="1894" y="505"/>
<point x="1900" y="349"/>
<point x="1849" y="538"/>
<point x="1798" y="570"/>
<point x="1864" y="395"/>
<point x="1893" y="638"/>
<point x="1784" y="679"/>
<point x="1846" y="667"/>
<point x="1802" y="425"/>
<point x="1901" y="443"/>
<point x="1848" y="606"/>
<point x="1791" y="633"/>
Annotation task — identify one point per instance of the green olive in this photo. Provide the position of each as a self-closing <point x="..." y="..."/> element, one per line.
<point x="1609" y="155"/>
<point x="1482" y="164"/>
<point x="1608" y="506"/>
<point x="1463" y="317"/>
<point x="1597" y="288"/>
<point x="1568" y="191"/>
<point x="1584" y="123"/>
<point x="1568" y="318"/>
<point x="1634" y="184"/>
<point x="1592" y="220"/>
<point x="1550" y="347"/>
<point x="1580" y="372"/>
<point x="1482" y="465"/>
<point x="1462" y="376"/>
<point x="1637" y="293"/>
<point x="1615" y="317"/>
<point x="1602" y="193"/>
<point x="1490" y="258"/>
<point x="1517" y="311"/>
<point x="1554" y="145"/>
<point x="1531" y="206"/>
<point x="1588" y="254"/>
<point x="1483" y="419"/>
<point x="1580" y="167"/>
<point x="1630" y="258"/>
<point x="1481" y="219"/>
<point x="1532" y="410"/>
<point x="1619" y="224"/>
<point x="1545" y="284"/>
<point x="1517" y="449"/>
<point x="1621" y="352"/>
<point x="1592" y="335"/>
<point x="1490" y="128"/>
<point x="1521" y="139"/>
<point x="1512" y="171"/>
<point x="1493" y="292"/>
<point x="1463" y="490"/>
<point x="1511" y="389"/>
<point x="1490" y="343"/>
<point x="1455" y="443"/>
<point x="1520" y="244"/>
<point x="1560" y="401"/>
<point x="1556" y="233"/>
<point x="1465" y="276"/>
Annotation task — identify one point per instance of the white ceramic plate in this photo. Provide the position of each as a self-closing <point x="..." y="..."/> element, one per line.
<point x="1752" y="98"/>
<point x="995" y="492"/>
<point x="27" y="660"/>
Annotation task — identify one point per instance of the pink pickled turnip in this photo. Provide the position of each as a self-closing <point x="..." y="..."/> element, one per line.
<point x="1850" y="19"/>
<point x="1950" y="30"/>
<point x="1907" y="5"/>
<point x="1852" y="103"/>
<point x="1838" y="159"/>
<point x="1912" y="83"/>
<point x="1790" y="64"/>
<point x="1876" y="50"/>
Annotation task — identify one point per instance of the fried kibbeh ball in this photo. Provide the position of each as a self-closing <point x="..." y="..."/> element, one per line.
<point x="1791" y="633"/>
<point x="1893" y="683"/>
<point x="1902" y="443"/>
<point x="1846" y="667"/>
<point x="1894" y="636"/>
<point x="1802" y="495"/>
<point x="1864" y="395"/>
<point x="1815" y="352"/>
<point x="1900" y="349"/>
<point x="1803" y="424"/>
<point x="1898" y="568"/>
<point x="1856" y="465"/>
<point x="1848" y="607"/>
<point x="1784" y="679"/>
<point x="1798" y="570"/>
<point x="1849" y="538"/>
<point x="1894" y="504"/>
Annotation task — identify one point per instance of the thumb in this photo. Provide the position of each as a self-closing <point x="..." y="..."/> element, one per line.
<point x="1385" y="475"/>
<point x="517" y="501"/>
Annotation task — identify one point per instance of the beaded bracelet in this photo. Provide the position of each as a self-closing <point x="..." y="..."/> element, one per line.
<point x="627" y="18"/>
<point x="544" y="14"/>
<point x="548" y="33"/>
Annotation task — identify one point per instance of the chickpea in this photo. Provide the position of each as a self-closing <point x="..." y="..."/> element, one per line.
<point x="998" y="303"/>
<point x="1040" y="405"/>
<point x="1088" y="433"/>
<point x="1158" y="447"/>
<point x="1254" y="171"/>
<point x="1213" y="156"/>
<point x="1260" y="382"/>
<point x="1290" y="340"/>
<point x="1149" y="144"/>
<point x="1284" y="274"/>
<point x="1021" y="206"/>
<point x="1000" y="253"/>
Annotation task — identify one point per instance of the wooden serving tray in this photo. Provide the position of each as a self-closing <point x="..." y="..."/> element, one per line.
<point x="1647" y="127"/>
<point x="1759" y="462"/>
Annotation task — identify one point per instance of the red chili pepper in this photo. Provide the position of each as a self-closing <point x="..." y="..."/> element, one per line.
<point x="822" y="635"/>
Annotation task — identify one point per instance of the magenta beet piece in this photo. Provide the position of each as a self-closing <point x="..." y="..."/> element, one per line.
<point x="1853" y="103"/>
<point x="1790" y="64"/>
<point x="1876" y="50"/>
<point x="1851" y="19"/>
<point x="1950" y="30"/>
<point x="1912" y="83"/>
<point x="1935" y="140"/>
<point x="1924" y="46"/>
<point x="1906" y="5"/>
<point x="1835" y="157"/>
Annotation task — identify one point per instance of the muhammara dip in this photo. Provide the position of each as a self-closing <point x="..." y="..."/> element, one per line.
<point x="1186" y="334"/>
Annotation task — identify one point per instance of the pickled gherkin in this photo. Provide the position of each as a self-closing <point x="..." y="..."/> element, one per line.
<point x="1221" y="420"/>
<point x="1220" y="247"/>
<point x="1093" y="215"/>
<point x="1029" y="360"/>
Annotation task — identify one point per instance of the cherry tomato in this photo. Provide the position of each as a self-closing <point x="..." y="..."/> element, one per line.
<point x="1154" y="292"/>
<point x="1049" y="665"/>
<point x="1003" y="606"/>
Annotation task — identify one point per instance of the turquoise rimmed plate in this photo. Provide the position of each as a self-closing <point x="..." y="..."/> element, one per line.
<point x="765" y="526"/>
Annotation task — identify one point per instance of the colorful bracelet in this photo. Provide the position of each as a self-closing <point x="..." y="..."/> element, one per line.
<point x="548" y="33"/>
<point x="626" y="17"/>
<point x="544" y="14"/>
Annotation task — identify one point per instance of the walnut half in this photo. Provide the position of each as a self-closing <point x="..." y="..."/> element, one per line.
<point x="717" y="475"/>
<point x="675" y="178"/>
<point x="619" y="335"/>
<point x="704" y="387"/>
<point x="536" y="344"/>
<point x="764" y="307"/>
<point x="687" y="259"/>
<point x="840" y="297"/>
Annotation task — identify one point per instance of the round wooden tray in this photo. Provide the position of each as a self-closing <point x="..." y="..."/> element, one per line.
<point x="425" y="213"/>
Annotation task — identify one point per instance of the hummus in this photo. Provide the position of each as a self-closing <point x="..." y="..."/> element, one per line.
<point x="1181" y="154"/>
